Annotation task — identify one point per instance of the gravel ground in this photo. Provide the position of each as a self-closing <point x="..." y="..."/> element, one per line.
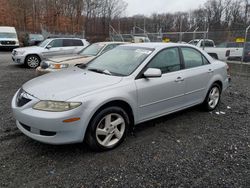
<point x="188" y="149"/>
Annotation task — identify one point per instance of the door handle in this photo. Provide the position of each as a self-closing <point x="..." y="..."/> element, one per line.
<point x="210" y="71"/>
<point x="179" y="79"/>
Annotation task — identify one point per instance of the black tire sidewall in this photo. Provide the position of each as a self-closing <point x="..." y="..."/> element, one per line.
<point x="91" y="131"/>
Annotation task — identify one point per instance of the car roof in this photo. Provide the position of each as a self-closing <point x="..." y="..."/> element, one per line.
<point x="7" y="29"/>
<point x="64" y="38"/>
<point x="110" y="42"/>
<point x="156" y="45"/>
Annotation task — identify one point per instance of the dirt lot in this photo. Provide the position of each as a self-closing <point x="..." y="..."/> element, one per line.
<point x="188" y="149"/>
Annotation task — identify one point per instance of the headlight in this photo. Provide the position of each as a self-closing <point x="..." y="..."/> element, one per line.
<point x="56" y="106"/>
<point x="58" y="66"/>
<point x="20" y="52"/>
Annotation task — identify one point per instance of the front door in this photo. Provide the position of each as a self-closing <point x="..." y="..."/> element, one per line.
<point x="159" y="96"/>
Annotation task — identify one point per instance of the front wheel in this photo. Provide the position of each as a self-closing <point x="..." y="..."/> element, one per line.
<point x="213" y="97"/>
<point x="32" y="61"/>
<point x="108" y="129"/>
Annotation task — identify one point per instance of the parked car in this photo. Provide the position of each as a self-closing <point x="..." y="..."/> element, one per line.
<point x="202" y="43"/>
<point x="33" y="39"/>
<point x="247" y="52"/>
<point x="32" y="56"/>
<point x="128" y="85"/>
<point x="140" y="39"/>
<point x="84" y="56"/>
<point x="227" y="51"/>
<point x="235" y="50"/>
<point x="8" y="38"/>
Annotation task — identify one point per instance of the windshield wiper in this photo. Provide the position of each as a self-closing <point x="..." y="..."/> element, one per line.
<point x="100" y="71"/>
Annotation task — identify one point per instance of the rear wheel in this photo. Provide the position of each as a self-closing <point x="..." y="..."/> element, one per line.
<point x="213" y="97"/>
<point x="32" y="61"/>
<point x="108" y="129"/>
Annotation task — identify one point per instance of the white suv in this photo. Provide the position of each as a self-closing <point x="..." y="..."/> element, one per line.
<point x="32" y="56"/>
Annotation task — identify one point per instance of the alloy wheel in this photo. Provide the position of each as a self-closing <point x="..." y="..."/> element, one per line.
<point x="214" y="97"/>
<point x="110" y="130"/>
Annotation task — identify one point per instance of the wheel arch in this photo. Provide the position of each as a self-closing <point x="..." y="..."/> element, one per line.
<point x="118" y="103"/>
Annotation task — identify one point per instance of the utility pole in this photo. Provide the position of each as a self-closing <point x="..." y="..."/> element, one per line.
<point x="181" y="22"/>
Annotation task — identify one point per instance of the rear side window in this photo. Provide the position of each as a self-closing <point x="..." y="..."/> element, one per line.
<point x="57" y="43"/>
<point x="72" y="42"/>
<point x="77" y="43"/>
<point x="192" y="58"/>
<point x="167" y="60"/>
<point x="208" y="44"/>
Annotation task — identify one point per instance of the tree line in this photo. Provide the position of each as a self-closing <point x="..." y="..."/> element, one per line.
<point x="95" y="16"/>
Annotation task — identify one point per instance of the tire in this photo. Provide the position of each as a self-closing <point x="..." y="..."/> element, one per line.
<point x="32" y="61"/>
<point x="102" y="135"/>
<point x="213" y="97"/>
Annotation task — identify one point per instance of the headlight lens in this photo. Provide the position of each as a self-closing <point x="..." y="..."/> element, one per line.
<point x="58" y="66"/>
<point x="56" y="106"/>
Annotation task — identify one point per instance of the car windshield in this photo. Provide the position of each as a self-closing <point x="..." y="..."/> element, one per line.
<point x="121" y="61"/>
<point x="92" y="50"/>
<point x="36" y="37"/>
<point x="8" y="35"/>
<point x="44" y="43"/>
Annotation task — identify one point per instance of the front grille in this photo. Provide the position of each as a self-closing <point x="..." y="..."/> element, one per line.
<point x="47" y="133"/>
<point x="22" y="98"/>
<point x="42" y="132"/>
<point x="8" y="42"/>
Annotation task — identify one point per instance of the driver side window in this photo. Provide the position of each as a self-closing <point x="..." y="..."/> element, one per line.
<point x="167" y="60"/>
<point x="57" y="43"/>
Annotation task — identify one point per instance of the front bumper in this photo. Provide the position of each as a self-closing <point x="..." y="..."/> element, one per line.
<point x="18" y="59"/>
<point x="48" y="127"/>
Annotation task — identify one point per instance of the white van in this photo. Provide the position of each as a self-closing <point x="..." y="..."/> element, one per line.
<point x="8" y="38"/>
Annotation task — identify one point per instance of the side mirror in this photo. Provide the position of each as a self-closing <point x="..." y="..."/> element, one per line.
<point x="48" y="47"/>
<point x="152" y="73"/>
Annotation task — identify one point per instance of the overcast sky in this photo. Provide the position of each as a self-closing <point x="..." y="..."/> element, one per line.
<point x="147" y="7"/>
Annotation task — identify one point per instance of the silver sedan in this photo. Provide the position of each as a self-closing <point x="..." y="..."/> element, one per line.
<point x="128" y="85"/>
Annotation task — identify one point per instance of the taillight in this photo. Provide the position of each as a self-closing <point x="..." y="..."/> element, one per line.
<point x="227" y="53"/>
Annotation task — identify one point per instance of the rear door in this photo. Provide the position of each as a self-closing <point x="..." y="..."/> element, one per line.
<point x="69" y="46"/>
<point x="198" y="71"/>
<point x="78" y="45"/>
<point x="158" y="96"/>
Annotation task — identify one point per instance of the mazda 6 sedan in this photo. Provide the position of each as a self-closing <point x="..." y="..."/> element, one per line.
<point x="98" y="102"/>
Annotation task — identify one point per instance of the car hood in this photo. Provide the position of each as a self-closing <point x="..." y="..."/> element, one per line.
<point x="64" y="85"/>
<point x="65" y="59"/>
